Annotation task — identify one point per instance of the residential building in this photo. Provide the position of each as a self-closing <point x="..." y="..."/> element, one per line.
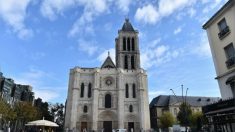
<point x="12" y="92"/>
<point x="170" y="103"/>
<point x="221" y="35"/>
<point x="111" y="96"/>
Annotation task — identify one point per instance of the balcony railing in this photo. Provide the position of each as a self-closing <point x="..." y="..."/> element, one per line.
<point x="230" y="62"/>
<point x="224" y="32"/>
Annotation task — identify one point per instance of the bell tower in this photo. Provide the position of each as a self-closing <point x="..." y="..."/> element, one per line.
<point x="127" y="47"/>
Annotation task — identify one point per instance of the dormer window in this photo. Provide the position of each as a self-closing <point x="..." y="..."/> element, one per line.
<point x="223" y="28"/>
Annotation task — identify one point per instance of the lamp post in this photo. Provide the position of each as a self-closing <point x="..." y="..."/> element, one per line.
<point x="184" y="101"/>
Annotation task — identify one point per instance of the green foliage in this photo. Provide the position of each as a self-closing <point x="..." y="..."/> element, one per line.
<point x="26" y="111"/>
<point x="167" y="120"/>
<point x="7" y="113"/>
<point x="57" y="111"/>
<point x="184" y="114"/>
<point x="43" y="110"/>
<point x="195" y="117"/>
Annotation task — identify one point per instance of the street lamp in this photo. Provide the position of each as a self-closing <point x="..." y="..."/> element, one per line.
<point x="184" y="101"/>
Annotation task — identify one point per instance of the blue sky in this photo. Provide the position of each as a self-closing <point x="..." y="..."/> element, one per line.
<point x="41" y="40"/>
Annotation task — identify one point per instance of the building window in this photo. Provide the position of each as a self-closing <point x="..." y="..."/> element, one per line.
<point x="130" y="108"/>
<point x="128" y="44"/>
<point x="230" y="54"/>
<point x="223" y="28"/>
<point x="132" y="62"/>
<point x="85" y="109"/>
<point x="124" y="43"/>
<point x="134" y="91"/>
<point x="108" y="101"/>
<point x="89" y="90"/>
<point x="127" y="91"/>
<point x="133" y="44"/>
<point x="126" y="62"/>
<point x="82" y="90"/>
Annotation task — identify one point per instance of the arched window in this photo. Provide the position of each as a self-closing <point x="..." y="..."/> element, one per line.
<point x="85" y="109"/>
<point x="82" y="90"/>
<point x="127" y="91"/>
<point x="125" y="62"/>
<point x="130" y="108"/>
<point x="133" y="44"/>
<point x="128" y="44"/>
<point x="133" y="90"/>
<point x="124" y="43"/>
<point x="89" y="90"/>
<point x="108" y="101"/>
<point x="132" y="62"/>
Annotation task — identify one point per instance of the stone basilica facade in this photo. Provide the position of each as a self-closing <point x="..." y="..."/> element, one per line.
<point x="112" y="96"/>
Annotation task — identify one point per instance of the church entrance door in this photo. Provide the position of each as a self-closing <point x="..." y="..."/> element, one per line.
<point x="107" y="125"/>
<point x="130" y="126"/>
<point x="83" y="126"/>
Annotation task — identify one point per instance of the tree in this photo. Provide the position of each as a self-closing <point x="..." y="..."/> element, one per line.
<point x="196" y="120"/>
<point x="6" y="112"/>
<point x="184" y="114"/>
<point x="57" y="112"/>
<point x="25" y="112"/>
<point x="166" y="120"/>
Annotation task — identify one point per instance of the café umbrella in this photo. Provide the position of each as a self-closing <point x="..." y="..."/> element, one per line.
<point x="42" y="123"/>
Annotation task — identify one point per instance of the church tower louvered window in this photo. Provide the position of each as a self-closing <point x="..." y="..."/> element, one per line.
<point x="127" y="48"/>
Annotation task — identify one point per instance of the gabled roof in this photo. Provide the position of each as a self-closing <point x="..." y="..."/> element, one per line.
<point x="127" y="26"/>
<point x="108" y="63"/>
<point x="169" y="100"/>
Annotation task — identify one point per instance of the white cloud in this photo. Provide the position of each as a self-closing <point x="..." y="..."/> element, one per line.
<point x="157" y="55"/>
<point x="13" y="12"/>
<point x="150" y="14"/>
<point x="84" y="24"/>
<point x="46" y="94"/>
<point x="191" y="12"/>
<point x="147" y="14"/>
<point x="50" y="8"/>
<point x="153" y="94"/>
<point x="104" y="55"/>
<point x="35" y="78"/>
<point x="211" y="5"/>
<point x="178" y="30"/>
<point x="87" y="46"/>
<point x="91" y="8"/>
<point x="203" y="49"/>
<point x="123" y="5"/>
<point x="167" y="7"/>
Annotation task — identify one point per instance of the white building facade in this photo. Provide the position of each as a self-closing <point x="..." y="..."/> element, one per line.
<point x="112" y="96"/>
<point x="221" y="35"/>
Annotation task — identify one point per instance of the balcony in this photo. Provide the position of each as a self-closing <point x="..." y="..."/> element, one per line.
<point x="223" y="33"/>
<point x="230" y="62"/>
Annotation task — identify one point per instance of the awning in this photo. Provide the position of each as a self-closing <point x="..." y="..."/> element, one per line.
<point x="221" y="110"/>
<point x="230" y="80"/>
